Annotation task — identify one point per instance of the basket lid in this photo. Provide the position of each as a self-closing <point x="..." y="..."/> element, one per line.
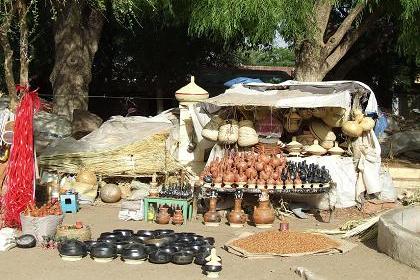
<point x="192" y="89"/>
<point x="322" y="131"/>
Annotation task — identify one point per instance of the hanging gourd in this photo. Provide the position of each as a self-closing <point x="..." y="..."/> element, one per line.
<point x="247" y="134"/>
<point x="292" y="121"/>
<point x="211" y="129"/>
<point x="228" y="132"/>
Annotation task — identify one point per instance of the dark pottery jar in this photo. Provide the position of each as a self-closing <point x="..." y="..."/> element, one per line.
<point x="72" y="250"/>
<point x="146" y="232"/>
<point x="124" y="232"/>
<point x="26" y="241"/>
<point x="90" y="243"/>
<point x="105" y="235"/>
<point x="163" y="231"/>
<point x="133" y="252"/>
<point x="169" y="249"/>
<point x="209" y="240"/>
<point x="159" y="257"/>
<point x="120" y="245"/>
<point x="102" y="250"/>
<point x="150" y="248"/>
<point x="212" y="268"/>
<point x="182" y="258"/>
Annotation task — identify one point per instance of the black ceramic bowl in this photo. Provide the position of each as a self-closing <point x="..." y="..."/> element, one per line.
<point x="26" y="241"/>
<point x="182" y="258"/>
<point x="143" y="237"/>
<point x="136" y="239"/>
<point x="72" y="248"/>
<point x="109" y="239"/>
<point x="163" y="231"/>
<point x="116" y="235"/>
<point x="124" y="232"/>
<point x="159" y="257"/>
<point x="209" y="240"/>
<point x="212" y="268"/>
<point x="169" y="249"/>
<point x="90" y="243"/>
<point x="120" y="245"/>
<point x="103" y="250"/>
<point x="185" y="239"/>
<point x="187" y="251"/>
<point x="187" y="233"/>
<point x="146" y="232"/>
<point x="204" y="250"/>
<point x="158" y="242"/>
<point x="134" y="252"/>
<point x="198" y="243"/>
<point x="169" y="237"/>
<point x="178" y="246"/>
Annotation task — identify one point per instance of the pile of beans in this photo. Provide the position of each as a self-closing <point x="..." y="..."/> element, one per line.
<point x="277" y="242"/>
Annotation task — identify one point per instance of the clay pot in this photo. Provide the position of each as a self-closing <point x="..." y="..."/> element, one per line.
<point x="268" y="169"/>
<point x="237" y="217"/>
<point x="265" y="158"/>
<point x="250" y="172"/>
<point x="264" y="175"/>
<point x="211" y="217"/>
<point x="163" y="216"/>
<point x="263" y="215"/>
<point x="229" y="176"/>
<point x="259" y="166"/>
<point x="242" y="177"/>
<point x="275" y="161"/>
<point x="178" y="219"/>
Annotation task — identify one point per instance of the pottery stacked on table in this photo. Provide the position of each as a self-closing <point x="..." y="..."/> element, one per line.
<point x="158" y="246"/>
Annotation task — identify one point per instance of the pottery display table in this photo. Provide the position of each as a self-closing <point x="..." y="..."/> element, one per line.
<point x="184" y="204"/>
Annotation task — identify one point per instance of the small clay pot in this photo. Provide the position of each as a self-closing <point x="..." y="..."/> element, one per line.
<point x="211" y="217"/>
<point x="263" y="215"/>
<point x="237" y="217"/>
<point x="163" y="216"/>
<point x="178" y="219"/>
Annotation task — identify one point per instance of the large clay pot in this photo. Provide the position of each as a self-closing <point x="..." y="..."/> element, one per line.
<point x="211" y="217"/>
<point x="237" y="217"/>
<point x="110" y="193"/>
<point x="178" y="219"/>
<point x="263" y="215"/>
<point x="163" y="216"/>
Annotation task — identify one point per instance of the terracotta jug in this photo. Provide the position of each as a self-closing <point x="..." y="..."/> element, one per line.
<point x="275" y="161"/>
<point x="163" y="216"/>
<point x="237" y="217"/>
<point x="259" y="165"/>
<point x="178" y="219"/>
<point x="263" y="215"/>
<point x="211" y="217"/>
<point x="229" y="176"/>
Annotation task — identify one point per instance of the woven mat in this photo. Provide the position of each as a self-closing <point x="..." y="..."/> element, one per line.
<point x="343" y="247"/>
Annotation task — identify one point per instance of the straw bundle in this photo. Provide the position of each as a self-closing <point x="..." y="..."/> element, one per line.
<point x="144" y="157"/>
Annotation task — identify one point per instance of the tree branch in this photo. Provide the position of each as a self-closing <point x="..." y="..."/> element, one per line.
<point x="345" y="26"/>
<point x="345" y="45"/>
<point x="322" y="14"/>
<point x="23" y="43"/>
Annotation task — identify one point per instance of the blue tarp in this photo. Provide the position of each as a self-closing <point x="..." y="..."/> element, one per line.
<point x="241" y="80"/>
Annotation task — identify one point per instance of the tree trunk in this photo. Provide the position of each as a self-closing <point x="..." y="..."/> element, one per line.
<point x="23" y="44"/>
<point x="8" y="57"/>
<point x="309" y="64"/>
<point x="76" y="35"/>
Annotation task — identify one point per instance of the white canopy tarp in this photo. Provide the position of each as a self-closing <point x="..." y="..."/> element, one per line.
<point x="293" y="94"/>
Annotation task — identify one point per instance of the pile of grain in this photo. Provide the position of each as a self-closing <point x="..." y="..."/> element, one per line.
<point x="276" y="242"/>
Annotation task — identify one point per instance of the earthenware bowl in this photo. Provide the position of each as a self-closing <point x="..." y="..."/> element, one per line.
<point x="26" y="241"/>
<point x="124" y="232"/>
<point x="159" y="257"/>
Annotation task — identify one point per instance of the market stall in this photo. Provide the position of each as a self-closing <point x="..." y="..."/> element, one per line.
<point x="291" y="137"/>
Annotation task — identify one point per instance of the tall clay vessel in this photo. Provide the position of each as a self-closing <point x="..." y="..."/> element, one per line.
<point x="263" y="215"/>
<point x="237" y="217"/>
<point x="211" y="217"/>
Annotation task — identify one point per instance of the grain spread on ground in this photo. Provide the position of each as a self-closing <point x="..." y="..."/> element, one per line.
<point x="276" y="242"/>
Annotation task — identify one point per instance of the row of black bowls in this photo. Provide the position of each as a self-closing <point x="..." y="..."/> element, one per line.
<point x="158" y="246"/>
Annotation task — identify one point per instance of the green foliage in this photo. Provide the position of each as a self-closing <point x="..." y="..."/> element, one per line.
<point x="265" y="57"/>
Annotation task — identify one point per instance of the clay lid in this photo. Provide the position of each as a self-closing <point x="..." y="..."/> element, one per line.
<point x="322" y="131"/>
<point x="294" y="143"/>
<point x="191" y="92"/>
<point x="316" y="149"/>
<point x="336" y="150"/>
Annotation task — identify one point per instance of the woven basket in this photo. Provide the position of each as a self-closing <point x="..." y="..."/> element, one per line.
<point x="267" y="148"/>
<point x="81" y="234"/>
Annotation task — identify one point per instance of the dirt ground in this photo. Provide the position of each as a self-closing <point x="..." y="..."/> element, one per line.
<point x="363" y="262"/>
